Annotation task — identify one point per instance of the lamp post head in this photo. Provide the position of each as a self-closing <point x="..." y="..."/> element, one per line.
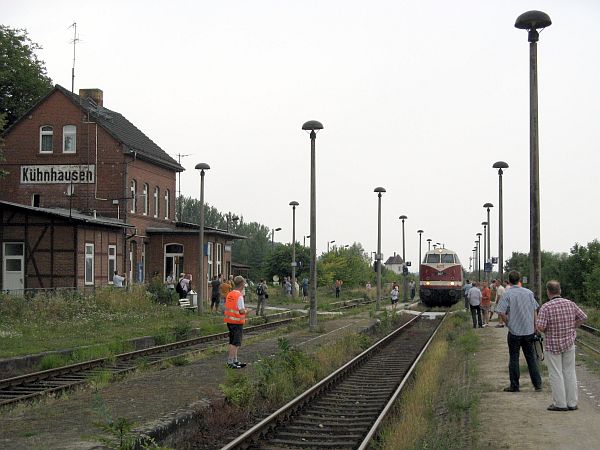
<point x="403" y="218"/>
<point x="235" y="218"/>
<point x="478" y="235"/>
<point x="312" y="125"/>
<point x="532" y="21"/>
<point x="484" y="224"/>
<point x="500" y="165"/>
<point x="420" y="231"/>
<point x="294" y="203"/>
<point x="488" y="205"/>
<point x="202" y="167"/>
<point x="429" y="240"/>
<point x="331" y="242"/>
<point x="379" y="190"/>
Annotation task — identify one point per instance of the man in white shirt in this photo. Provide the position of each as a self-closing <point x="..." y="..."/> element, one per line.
<point x="118" y="280"/>
<point x="474" y="296"/>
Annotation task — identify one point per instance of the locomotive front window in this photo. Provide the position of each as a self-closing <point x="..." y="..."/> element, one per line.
<point x="433" y="258"/>
<point x="447" y="258"/>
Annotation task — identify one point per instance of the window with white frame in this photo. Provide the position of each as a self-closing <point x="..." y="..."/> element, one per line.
<point x="69" y="139"/>
<point x="46" y="133"/>
<point x="133" y="189"/>
<point x="219" y="258"/>
<point x="112" y="262"/>
<point x="167" y="205"/>
<point x="209" y="256"/>
<point x="89" y="264"/>
<point x="156" y="202"/>
<point x="145" y="194"/>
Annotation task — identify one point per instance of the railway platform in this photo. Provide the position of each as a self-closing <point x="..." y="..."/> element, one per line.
<point x="519" y="420"/>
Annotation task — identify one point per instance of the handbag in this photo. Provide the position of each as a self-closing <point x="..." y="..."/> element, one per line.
<point x="538" y="345"/>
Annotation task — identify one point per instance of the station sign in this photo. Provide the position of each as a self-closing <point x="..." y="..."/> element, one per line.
<point x="59" y="174"/>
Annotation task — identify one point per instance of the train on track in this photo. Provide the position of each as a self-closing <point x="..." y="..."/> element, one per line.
<point x="440" y="278"/>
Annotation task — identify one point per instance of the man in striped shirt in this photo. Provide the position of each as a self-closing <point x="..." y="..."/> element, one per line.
<point x="518" y="308"/>
<point x="558" y="319"/>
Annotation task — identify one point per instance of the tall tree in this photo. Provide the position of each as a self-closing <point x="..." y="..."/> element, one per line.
<point x="23" y="78"/>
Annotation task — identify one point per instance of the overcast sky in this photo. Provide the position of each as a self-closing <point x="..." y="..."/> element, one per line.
<point x="420" y="97"/>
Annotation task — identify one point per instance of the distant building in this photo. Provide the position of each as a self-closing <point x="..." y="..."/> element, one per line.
<point x="88" y="193"/>
<point x="394" y="263"/>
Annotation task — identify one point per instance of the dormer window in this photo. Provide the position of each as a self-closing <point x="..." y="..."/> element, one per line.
<point x="69" y="139"/>
<point x="46" y="133"/>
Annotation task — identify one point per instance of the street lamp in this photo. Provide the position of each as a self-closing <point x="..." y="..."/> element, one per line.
<point x="429" y="244"/>
<point x="313" y="126"/>
<point x="485" y="254"/>
<point x="305" y="240"/>
<point x="379" y="191"/>
<point x="273" y="237"/>
<point x="478" y="256"/>
<point x="329" y="242"/>
<point x="231" y="218"/>
<point x="420" y="235"/>
<point x="500" y="165"/>
<point x="293" y="204"/>
<point x="532" y="21"/>
<point x="405" y="268"/>
<point x="489" y="229"/>
<point x="202" y="167"/>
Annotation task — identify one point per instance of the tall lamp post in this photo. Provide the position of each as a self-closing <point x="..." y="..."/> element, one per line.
<point x="478" y="242"/>
<point x="329" y="242"/>
<point x="532" y="21"/>
<point x="313" y="126"/>
<point x="305" y="240"/>
<point x="273" y="237"/>
<point x="202" y="167"/>
<point x="378" y="258"/>
<point x="293" y="204"/>
<point x="231" y="218"/>
<point x="487" y="206"/>
<point x="420" y="236"/>
<point x="429" y="244"/>
<point x="485" y="254"/>
<point x="500" y="165"/>
<point x="405" y="268"/>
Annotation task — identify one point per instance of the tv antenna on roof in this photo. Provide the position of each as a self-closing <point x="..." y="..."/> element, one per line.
<point x="179" y="156"/>
<point x="74" y="41"/>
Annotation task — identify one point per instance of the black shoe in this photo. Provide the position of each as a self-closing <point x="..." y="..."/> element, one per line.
<point x="510" y="389"/>
<point x="233" y="366"/>
<point x="572" y="408"/>
<point x="556" y="408"/>
<point x="538" y="389"/>
<point x="240" y="364"/>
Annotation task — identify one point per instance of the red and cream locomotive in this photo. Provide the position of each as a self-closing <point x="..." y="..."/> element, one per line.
<point x="440" y="278"/>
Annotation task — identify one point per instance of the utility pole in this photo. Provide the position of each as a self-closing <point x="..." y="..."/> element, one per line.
<point x="74" y="41"/>
<point x="179" y="156"/>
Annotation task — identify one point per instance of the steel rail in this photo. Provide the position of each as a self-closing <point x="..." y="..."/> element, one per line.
<point x="253" y="435"/>
<point x="590" y="329"/>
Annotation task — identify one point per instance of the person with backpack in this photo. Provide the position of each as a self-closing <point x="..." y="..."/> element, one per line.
<point x="262" y="295"/>
<point x="183" y="286"/>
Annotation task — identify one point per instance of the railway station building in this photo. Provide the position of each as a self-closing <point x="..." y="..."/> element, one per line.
<point x="88" y="193"/>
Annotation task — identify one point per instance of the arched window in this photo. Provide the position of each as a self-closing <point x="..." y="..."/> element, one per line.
<point x="133" y="198"/>
<point x="69" y="139"/>
<point x="167" y="204"/>
<point x="156" y="202"/>
<point x="46" y="133"/>
<point x="146" y="200"/>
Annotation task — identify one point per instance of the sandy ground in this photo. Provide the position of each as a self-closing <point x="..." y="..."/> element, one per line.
<point x="520" y="420"/>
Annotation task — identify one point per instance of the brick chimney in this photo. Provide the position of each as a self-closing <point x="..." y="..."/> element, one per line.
<point x="95" y="94"/>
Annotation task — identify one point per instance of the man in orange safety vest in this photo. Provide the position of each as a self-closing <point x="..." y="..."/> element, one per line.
<point x="235" y="317"/>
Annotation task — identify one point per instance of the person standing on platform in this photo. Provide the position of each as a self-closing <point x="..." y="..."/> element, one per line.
<point x="474" y="296"/>
<point x="518" y="309"/>
<point x="413" y="290"/>
<point x="558" y="319"/>
<point x="466" y="288"/>
<point x="486" y="303"/>
<point x="215" y="285"/>
<point x="500" y="290"/>
<point x="224" y="288"/>
<point x="235" y="317"/>
<point x="262" y="295"/>
<point x="394" y="296"/>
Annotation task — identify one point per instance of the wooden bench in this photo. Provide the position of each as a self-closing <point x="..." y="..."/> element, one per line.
<point x="185" y="304"/>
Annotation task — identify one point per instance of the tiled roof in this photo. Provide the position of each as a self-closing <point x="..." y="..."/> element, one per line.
<point x="123" y="131"/>
<point x="396" y="259"/>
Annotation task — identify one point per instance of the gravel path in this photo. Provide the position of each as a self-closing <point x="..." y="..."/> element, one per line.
<point x="520" y="420"/>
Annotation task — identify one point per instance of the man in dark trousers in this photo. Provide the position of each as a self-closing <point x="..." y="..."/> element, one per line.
<point x="235" y="317"/>
<point x="215" y="285"/>
<point x="518" y="308"/>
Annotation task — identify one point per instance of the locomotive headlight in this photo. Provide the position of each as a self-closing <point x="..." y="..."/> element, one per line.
<point x="427" y="283"/>
<point x="452" y="283"/>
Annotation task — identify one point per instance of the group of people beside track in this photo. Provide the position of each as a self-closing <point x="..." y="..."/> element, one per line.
<point x="558" y="319"/>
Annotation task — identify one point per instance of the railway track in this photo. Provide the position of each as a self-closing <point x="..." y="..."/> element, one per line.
<point x="593" y="331"/>
<point x="345" y="410"/>
<point x="26" y="387"/>
<point x="31" y="386"/>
